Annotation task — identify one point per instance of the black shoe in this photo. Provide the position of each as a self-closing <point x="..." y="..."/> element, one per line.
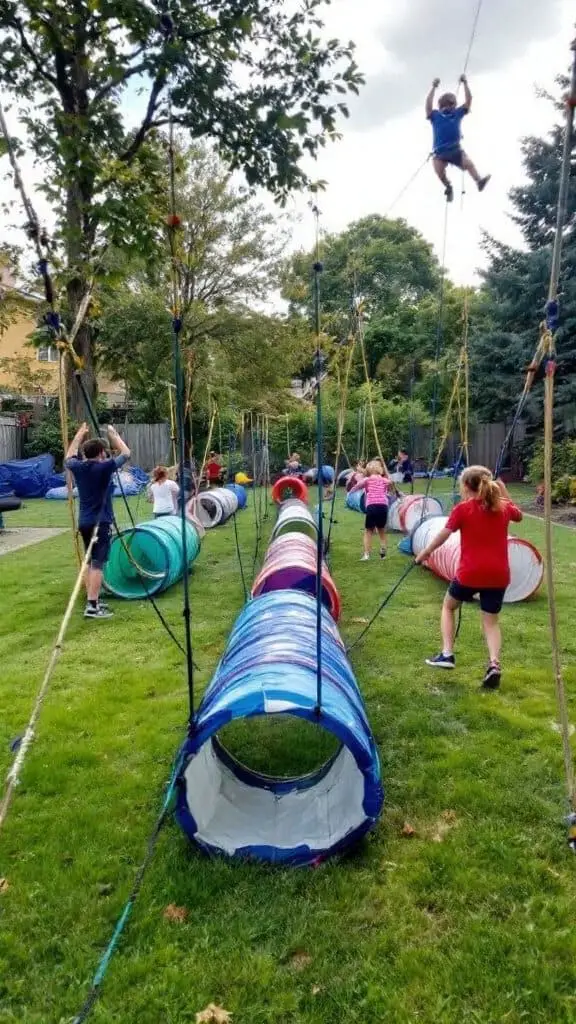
<point x="442" y="661"/>
<point x="483" y="182"/>
<point x="492" y="677"/>
<point x="449" y="193"/>
<point x="382" y="552"/>
<point x="97" y="612"/>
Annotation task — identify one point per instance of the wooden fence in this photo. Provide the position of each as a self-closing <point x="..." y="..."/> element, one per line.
<point x="11" y="439"/>
<point x="149" y="443"/>
<point x="485" y="443"/>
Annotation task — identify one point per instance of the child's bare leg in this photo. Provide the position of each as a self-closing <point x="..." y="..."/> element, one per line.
<point x="93" y="584"/>
<point x="382" y="536"/>
<point x="440" y="168"/>
<point x="448" y="623"/>
<point x="493" y="636"/>
<point x="367" y="541"/>
<point x="467" y="165"/>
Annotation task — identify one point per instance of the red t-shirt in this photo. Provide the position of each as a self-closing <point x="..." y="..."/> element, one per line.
<point x="483" y="543"/>
<point x="213" y="470"/>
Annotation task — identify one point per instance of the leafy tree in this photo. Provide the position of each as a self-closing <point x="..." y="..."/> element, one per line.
<point x="515" y="291"/>
<point x="25" y="379"/>
<point x="253" y="75"/>
<point x="227" y="255"/>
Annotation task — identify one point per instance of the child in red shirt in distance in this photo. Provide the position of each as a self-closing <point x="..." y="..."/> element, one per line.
<point x="482" y="519"/>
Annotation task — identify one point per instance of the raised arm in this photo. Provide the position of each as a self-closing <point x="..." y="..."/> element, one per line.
<point x="117" y="443"/>
<point x="430" y="97"/>
<point x="467" y="93"/>
<point x="80" y="435"/>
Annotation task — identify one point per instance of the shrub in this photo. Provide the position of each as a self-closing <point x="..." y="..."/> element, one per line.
<point x="563" y="461"/>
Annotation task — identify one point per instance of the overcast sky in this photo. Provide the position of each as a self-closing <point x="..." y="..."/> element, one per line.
<point x="401" y="46"/>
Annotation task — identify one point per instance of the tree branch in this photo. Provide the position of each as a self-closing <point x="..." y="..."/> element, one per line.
<point x="26" y="46"/>
<point x="148" y="121"/>
<point x="130" y="72"/>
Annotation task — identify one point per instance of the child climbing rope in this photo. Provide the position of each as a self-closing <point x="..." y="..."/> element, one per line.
<point x="163" y="493"/>
<point x="482" y="518"/>
<point x="376" y="484"/>
<point x="93" y="475"/>
<point x="446" y="127"/>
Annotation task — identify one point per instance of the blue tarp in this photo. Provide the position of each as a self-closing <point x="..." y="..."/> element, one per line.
<point x="28" y="478"/>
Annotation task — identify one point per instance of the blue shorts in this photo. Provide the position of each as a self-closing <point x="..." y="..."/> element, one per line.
<point x="101" y="548"/>
<point x="451" y="156"/>
<point x="491" y="598"/>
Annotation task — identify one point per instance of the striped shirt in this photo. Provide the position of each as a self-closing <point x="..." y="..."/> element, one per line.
<point x="376" y="488"/>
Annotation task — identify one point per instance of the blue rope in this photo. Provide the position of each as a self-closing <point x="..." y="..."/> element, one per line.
<point x="104" y="964"/>
<point x="320" y="479"/>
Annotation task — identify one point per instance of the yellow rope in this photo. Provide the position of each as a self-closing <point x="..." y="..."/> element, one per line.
<point x="547" y="346"/>
<point x="63" y="403"/>
<point x="288" y="436"/>
<point x="360" y="333"/>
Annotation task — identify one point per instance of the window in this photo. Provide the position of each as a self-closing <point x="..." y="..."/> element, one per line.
<point x="48" y="354"/>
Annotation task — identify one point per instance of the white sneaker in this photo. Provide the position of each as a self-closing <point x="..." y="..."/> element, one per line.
<point x="365" y="558"/>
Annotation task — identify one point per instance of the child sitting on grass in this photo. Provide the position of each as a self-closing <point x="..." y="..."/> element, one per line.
<point x="482" y="517"/>
<point x="376" y="484"/>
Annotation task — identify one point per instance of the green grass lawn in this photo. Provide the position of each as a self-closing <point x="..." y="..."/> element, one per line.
<point x="472" y="919"/>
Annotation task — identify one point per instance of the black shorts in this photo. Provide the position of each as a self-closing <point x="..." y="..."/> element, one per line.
<point x="101" y="548"/>
<point x="451" y="156"/>
<point x="376" y="517"/>
<point x="491" y="598"/>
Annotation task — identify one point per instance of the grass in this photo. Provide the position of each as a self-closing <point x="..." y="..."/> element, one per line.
<point x="470" y="920"/>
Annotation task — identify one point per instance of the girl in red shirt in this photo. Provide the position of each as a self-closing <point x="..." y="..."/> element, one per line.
<point x="482" y="518"/>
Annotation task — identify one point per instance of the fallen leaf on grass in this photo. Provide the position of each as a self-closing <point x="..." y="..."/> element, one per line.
<point x="361" y="622"/>
<point x="106" y="889"/>
<point x="316" y="990"/>
<point x="446" y="821"/>
<point x="213" y="1015"/>
<point x="179" y="914"/>
<point x="300" y="960"/>
<point x="4" y="885"/>
<point x="408" y="831"/>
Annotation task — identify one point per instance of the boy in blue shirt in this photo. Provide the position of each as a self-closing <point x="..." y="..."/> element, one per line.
<point x="93" y="475"/>
<point x="447" y="149"/>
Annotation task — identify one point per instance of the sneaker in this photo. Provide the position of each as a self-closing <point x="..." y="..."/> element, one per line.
<point x="492" y="677"/>
<point x="102" y="604"/>
<point x="365" y="558"/>
<point x="97" y="613"/>
<point x="449" y="192"/>
<point x="442" y="661"/>
<point x="382" y="552"/>
<point x="483" y="182"/>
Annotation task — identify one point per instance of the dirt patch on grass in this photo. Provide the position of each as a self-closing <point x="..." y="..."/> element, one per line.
<point x="13" y="540"/>
<point x="561" y="515"/>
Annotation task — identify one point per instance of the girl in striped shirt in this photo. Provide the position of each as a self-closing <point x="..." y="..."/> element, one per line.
<point x="376" y="486"/>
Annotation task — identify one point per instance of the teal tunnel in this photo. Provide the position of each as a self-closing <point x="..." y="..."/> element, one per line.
<point x="149" y="558"/>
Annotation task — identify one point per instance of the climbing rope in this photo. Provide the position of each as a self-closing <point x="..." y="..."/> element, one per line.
<point x="317" y="271"/>
<point x="13" y="776"/>
<point x="408" y="184"/>
<point x="63" y="412"/>
<point x="548" y="330"/>
<point x="381" y="607"/>
<point x="122" y="921"/>
<point x="342" y="384"/>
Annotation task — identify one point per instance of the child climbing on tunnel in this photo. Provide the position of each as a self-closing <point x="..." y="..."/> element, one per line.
<point x="376" y="485"/>
<point x="446" y="123"/>
<point x="482" y="517"/>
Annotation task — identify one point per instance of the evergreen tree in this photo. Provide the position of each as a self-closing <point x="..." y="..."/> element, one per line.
<point x="515" y="292"/>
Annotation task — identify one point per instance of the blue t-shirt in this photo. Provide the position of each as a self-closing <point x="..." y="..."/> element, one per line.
<point x="95" y="487"/>
<point x="446" y="129"/>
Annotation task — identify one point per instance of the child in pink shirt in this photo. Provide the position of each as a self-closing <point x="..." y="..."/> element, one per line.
<point x="376" y="485"/>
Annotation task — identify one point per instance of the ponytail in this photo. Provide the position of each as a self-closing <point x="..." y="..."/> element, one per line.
<point x="481" y="483"/>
